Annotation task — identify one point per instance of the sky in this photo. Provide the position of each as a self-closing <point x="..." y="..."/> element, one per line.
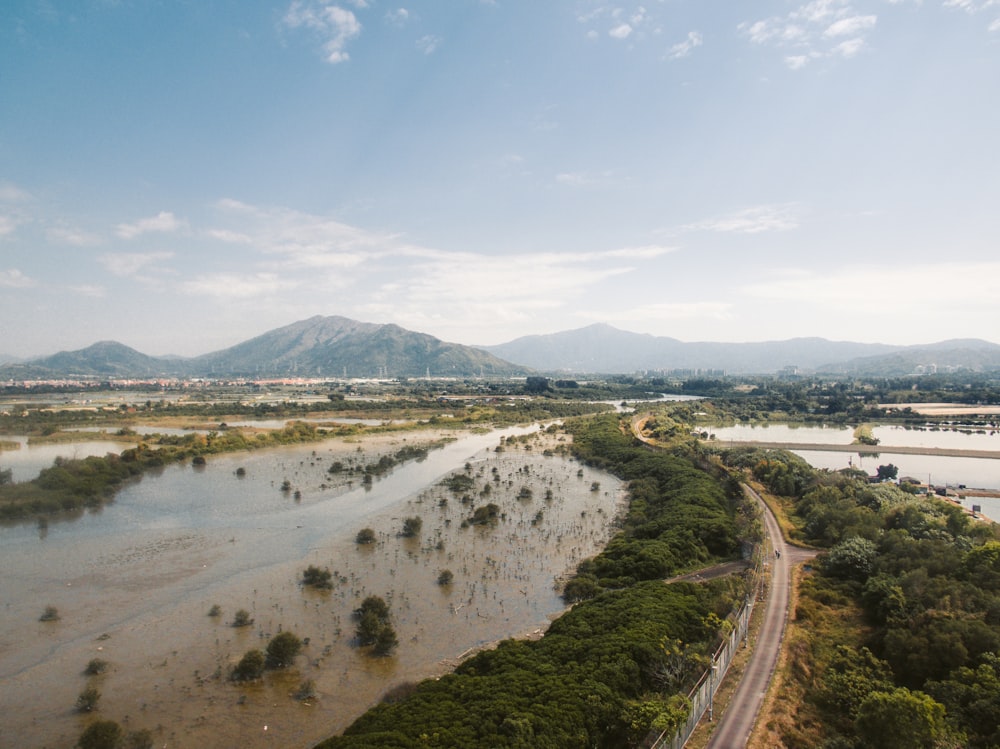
<point x="183" y="175"/>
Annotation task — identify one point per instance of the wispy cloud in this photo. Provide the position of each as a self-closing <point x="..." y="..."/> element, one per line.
<point x="89" y="290"/>
<point x="164" y="221"/>
<point x="817" y="29"/>
<point x="7" y="224"/>
<point x="237" y="285"/>
<point x="428" y="44"/>
<point x="839" y="290"/>
<point x="134" y="264"/>
<point x="10" y="193"/>
<point x="15" y="279"/>
<point x="584" y="179"/>
<point x="335" y="24"/>
<point x="398" y="17"/>
<point x="751" y="220"/>
<point x="72" y="236"/>
<point x="383" y="275"/>
<point x="683" y="49"/>
<point x="649" y="314"/>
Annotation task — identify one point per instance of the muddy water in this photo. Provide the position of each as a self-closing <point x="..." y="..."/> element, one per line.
<point x="134" y="584"/>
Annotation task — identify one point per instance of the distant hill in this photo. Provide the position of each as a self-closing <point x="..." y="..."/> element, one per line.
<point x="102" y="359"/>
<point x="317" y="347"/>
<point x="947" y="356"/>
<point x="338" y="346"/>
<point x="603" y="348"/>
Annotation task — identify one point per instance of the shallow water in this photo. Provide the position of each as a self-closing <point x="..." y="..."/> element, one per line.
<point x="134" y="582"/>
<point x="28" y="460"/>
<point x="982" y="473"/>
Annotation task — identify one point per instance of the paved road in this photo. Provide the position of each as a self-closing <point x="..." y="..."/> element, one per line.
<point x="737" y="721"/>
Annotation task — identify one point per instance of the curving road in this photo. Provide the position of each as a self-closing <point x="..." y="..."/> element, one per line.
<point x="737" y="722"/>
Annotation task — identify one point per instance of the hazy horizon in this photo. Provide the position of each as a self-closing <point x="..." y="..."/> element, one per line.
<point x="169" y="354"/>
<point x="180" y="178"/>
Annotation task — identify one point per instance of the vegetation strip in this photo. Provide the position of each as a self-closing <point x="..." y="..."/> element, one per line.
<point x="618" y="665"/>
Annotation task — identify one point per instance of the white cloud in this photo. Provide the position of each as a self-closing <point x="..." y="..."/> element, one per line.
<point x="15" y="279"/>
<point x="994" y="27"/>
<point x="795" y="62"/>
<point x="237" y="286"/>
<point x="850" y="26"/>
<point x="90" y="290"/>
<point x="337" y="25"/>
<point x="428" y="44"/>
<point x="303" y="240"/>
<point x="398" y="17"/>
<point x="76" y="237"/>
<point x="8" y="224"/>
<point x="164" y="221"/>
<point x="812" y="31"/>
<point x="380" y="275"/>
<point x="649" y="314"/>
<point x="751" y="220"/>
<point x="10" y="193"/>
<point x="683" y="49"/>
<point x="133" y="264"/>
<point x="583" y="179"/>
<point x="622" y="31"/>
<point x="849" y="48"/>
<point x="880" y="290"/>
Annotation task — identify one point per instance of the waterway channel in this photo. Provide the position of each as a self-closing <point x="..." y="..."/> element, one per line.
<point x="133" y="584"/>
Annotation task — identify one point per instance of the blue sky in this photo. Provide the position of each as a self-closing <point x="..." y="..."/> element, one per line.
<point x="181" y="175"/>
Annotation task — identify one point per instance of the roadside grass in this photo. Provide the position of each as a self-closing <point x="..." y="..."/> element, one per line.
<point x="822" y="618"/>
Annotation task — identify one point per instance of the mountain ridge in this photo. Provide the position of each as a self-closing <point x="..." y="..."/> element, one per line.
<point x="335" y="346"/>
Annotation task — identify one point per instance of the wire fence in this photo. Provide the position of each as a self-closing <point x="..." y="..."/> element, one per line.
<point x="703" y="695"/>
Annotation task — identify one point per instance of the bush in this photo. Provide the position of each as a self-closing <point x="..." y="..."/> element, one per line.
<point x="51" y="614"/>
<point x="365" y="536"/>
<point x="95" y="667"/>
<point x="250" y="667"/>
<point x="88" y="699"/>
<point x="412" y="526"/>
<point x="318" y="578"/>
<point x="242" y="618"/>
<point x="282" y="649"/>
<point x="101" y="734"/>
<point x="445" y="577"/>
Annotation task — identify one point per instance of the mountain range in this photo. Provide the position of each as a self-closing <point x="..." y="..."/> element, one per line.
<point x="339" y="347"/>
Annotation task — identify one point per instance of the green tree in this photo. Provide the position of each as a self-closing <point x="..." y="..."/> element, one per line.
<point x="852" y="559"/>
<point x="887" y="473"/>
<point x="900" y="719"/>
<point x="365" y="536"/>
<point x="282" y="649"/>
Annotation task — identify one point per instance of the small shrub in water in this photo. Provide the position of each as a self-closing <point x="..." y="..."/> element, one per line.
<point x="88" y="699"/>
<point x="95" y="667"/>
<point x="51" y="614"/>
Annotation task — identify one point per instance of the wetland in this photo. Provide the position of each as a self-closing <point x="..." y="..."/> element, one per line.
<point x="135" y="580"/>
